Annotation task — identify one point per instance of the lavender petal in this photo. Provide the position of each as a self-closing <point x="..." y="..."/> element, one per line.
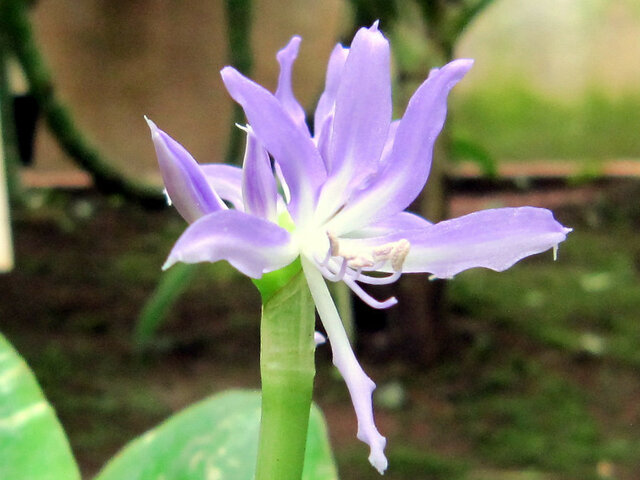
<point x="327" y="100"/>
<point x="494" y="239"/>
<point x="362" y="118"/>
<point x="295" y="152"/>
<point x="252" y="245"/>
<point x="259" y="188"/>
<point x="226" y="181"/>
<point x="407" y="168"/>
<point x="286" y="57"/>
<point x="183" y="178"/>
<point x="387" y="226"/>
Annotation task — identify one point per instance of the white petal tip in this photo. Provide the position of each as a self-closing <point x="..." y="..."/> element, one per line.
<point x="169" y="263"/>
<point x="151" y="123"/>
<point x="464" y="64"/>
<point x="319" y="338"/>
<point x="293" y="44"/>
<point x="378" y="460"/>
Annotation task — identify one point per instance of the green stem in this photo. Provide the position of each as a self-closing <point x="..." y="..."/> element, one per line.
<point x="287" y="369"/>
<point x="7" y="131"/>
<point x="239" y="16"/>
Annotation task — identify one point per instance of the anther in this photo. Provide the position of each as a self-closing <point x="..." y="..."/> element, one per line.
<point x="399" y="253"/>
<point x="334" y="245"/>
<point x="396" y="252"/>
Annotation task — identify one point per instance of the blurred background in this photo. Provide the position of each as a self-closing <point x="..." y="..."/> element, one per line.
<point x="529" y="374"/>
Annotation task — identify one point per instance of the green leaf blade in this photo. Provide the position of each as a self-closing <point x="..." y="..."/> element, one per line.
<point x="33" y="445"/>
<point x="215" y="438"/>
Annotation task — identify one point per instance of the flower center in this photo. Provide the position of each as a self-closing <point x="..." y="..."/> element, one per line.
<point x="394" y="252"/>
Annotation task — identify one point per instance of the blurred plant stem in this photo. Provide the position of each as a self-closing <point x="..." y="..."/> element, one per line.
<point x="239" y="18"/>
<point x="8" y="154"/>
<point x="172" y="285"/>
<point x="7" y="130"/>
<point x="423" y="330"/>
<point x="17" y="36"/>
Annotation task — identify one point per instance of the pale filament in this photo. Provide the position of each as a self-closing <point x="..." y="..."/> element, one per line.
<point x="352" y="262"/>
<point x="335" y="276"/>
<point x="368" y="299"/>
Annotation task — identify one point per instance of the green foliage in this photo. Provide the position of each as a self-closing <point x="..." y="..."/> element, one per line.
<point x="216" y="438"/>
<point x="521" y="416"/>
<point x="465" y="150"/>
<point x="172" y="284"/>
<point x="515" y="122"/>
<point x="33" y="445"/>
<point x="586" y="303"/>
<point x="405" y="462"/>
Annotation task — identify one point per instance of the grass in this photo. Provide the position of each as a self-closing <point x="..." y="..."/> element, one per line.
<point x="587" y="302"/>
<point x="546" y="395"/>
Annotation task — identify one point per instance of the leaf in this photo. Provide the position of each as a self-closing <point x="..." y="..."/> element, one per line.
<point x="172" y="285"/>
<point x="33" y="445"/>
<point x="463" y="149"/>
<point x="216" y="438"/>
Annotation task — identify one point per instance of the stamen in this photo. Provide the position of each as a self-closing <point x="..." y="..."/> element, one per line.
<point x="366" y="258"/>
<point x="335" y="276"/>
<point x="369" y="280"/>
<point x="396" y="252"/>
<point x="334" y="245"/>
<point x="399" y="253"/>
<point x="356" y="259"/>
<point x="324" y="262"/>
<point x="368" y="299"/>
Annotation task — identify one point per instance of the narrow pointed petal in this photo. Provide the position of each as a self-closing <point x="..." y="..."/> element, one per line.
<point x="226" y="181"/>
<point x="359" y="384"/>
<point x="494" y="239"/>
<point x="323" y="138"/>
<point x="183" y="178"/>
<point x="294" y="151"/>
<point x="286" y="192"/>
<point x="405" y="172"/>
<point x="259" y="188"/>
<point x="252" y="245"/>
<point x="286" y="57"/>
<point x="362" y="118"/>
<point x="327" y="100"/>
<point x="388" y="144"/>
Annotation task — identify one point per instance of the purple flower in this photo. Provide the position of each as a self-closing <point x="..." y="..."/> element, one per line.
<point x="343" y="194"/>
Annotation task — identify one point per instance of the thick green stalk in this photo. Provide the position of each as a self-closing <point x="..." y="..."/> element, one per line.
<point x="287" y="369"/>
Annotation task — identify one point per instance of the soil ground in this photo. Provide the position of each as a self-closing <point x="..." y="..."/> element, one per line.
<point x="86" y="265"/>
